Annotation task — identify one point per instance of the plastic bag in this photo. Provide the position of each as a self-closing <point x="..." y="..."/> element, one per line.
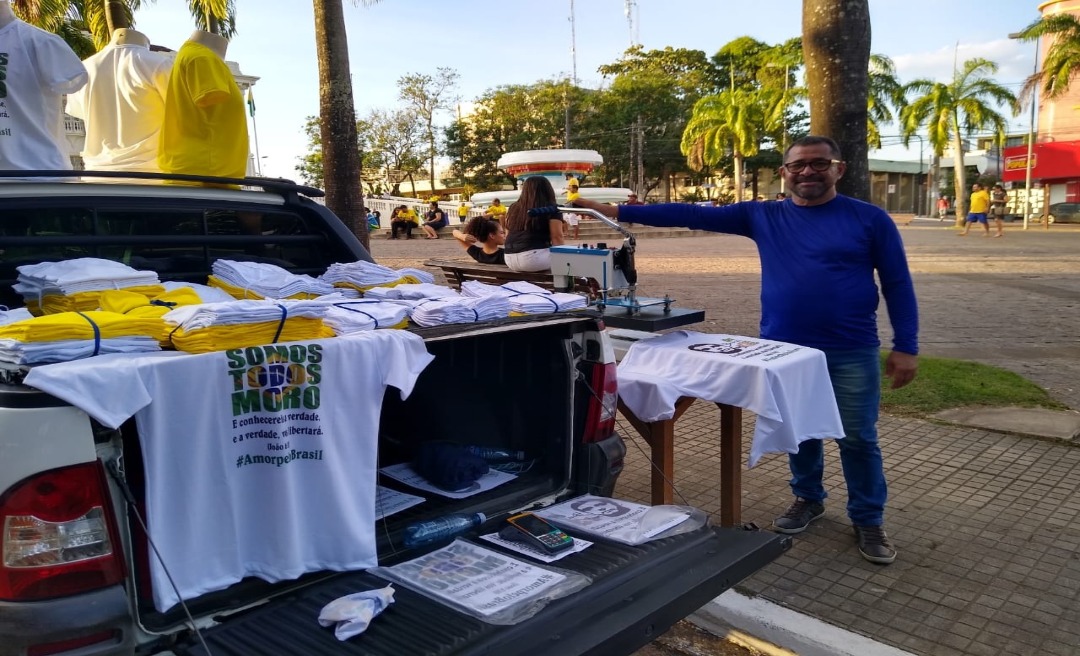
<point x="621" y="521"/>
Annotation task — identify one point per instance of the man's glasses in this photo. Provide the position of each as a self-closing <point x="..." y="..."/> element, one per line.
<point x="819" y="165"/>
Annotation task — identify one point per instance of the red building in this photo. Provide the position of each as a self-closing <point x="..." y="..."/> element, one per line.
<point x="1055" y="162"/>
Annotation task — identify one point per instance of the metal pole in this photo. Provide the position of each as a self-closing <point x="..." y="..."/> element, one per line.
<point x="1031" y="145"/>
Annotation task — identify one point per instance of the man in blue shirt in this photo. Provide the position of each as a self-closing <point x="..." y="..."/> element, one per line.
<point x="819" y="251"/>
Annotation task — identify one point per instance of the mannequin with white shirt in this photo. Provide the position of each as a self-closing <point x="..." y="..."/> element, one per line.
<point x="37" y="69"/>
<point x="123" y="104"/>
<point x="6" y="14"/>
<point x="204" y="131"/>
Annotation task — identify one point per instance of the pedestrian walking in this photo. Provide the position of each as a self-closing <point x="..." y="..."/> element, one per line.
<point x="818" y="256"/>
<point x="998" y="200"/>
<point x="978" y="207"/>
<point x="942" y="207"/>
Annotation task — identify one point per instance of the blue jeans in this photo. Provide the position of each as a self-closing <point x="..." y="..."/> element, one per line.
<point x="856" y="381"/>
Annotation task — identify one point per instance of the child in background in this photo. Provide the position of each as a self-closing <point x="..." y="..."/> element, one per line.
<point x="482" y="239"/>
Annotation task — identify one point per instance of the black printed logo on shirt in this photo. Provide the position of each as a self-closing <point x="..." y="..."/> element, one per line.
<point x="722" y="349"/>
<point x="3" y="74"/>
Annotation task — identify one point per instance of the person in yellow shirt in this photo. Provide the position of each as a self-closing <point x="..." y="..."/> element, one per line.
<point x="404" y="220"/>
<point x="978" y="206"/>
<point x="497" y="211"/>
<point x="462" y="213"/>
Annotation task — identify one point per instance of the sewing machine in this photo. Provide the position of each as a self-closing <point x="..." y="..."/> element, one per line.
<point x="613" y="269"/>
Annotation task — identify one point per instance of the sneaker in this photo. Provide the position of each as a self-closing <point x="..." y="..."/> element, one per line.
<point x="874" y="545"/>
<point x="799" y="515"/>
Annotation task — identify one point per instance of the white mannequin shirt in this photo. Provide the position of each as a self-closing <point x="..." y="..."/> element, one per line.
<point x="123" y="104"/>
<point x="38" y="69"/>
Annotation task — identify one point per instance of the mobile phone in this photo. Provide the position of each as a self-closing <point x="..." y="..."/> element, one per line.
<point x="531" y="529"/>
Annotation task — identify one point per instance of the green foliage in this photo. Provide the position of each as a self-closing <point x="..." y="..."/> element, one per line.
<point x="426" y="95"/>
<point x="1061" y="60"/>
<point x="945" y="383"/>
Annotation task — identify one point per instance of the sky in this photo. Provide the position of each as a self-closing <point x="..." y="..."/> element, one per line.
<point x="497" y="42"/>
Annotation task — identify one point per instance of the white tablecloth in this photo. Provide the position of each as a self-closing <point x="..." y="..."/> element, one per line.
<point x="786" y="385"/>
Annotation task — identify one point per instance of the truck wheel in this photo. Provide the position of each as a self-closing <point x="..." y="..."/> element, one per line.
<point x="1050" y="219"/>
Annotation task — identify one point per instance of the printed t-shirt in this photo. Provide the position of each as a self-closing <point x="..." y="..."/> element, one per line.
<point x="980" y="202"/>
<point x="36" y="69"/>
<point x="205" y="128"/>
<point x="478" y="254"/>
<point x="787" y="385"/>
<point x="408" y="215"/>
<point x="123" y="105"/>
<point x="259" y="461"/>
<point x="462" y="212"/>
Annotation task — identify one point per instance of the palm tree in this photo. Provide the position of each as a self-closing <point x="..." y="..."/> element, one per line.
<point x="952" y="111"/>
<point x="1062" y="59"/>
<point x="884" y="93"/>
<point x="836" y="47"/>
<point x="728" y="121"/>
<point x="337" y="118"/>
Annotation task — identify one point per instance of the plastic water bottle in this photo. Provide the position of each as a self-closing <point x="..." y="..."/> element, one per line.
<point x="492" y="454"/>
<point x="441" y="528"/>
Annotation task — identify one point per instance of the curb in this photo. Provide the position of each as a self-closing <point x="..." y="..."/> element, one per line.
<point x="757" y="623"/>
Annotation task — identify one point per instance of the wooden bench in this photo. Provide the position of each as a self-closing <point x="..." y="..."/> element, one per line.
<point x="457" y="271"/>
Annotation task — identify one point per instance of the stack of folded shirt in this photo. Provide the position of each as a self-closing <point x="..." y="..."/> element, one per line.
<point x="477" y="289"/>
<point x="75" y="285"/>
<point x="355" y="316"/>
<point x="363" y="276"/>
<point x="178" y="295"/>
<point x="11" y="316"/>
<point x="417" y="291"/>
<point x="69" y="336"/>
<point x="440" y="311"/>
<point x="543" y="303"/>
<point x="260" y="280"/>
<point x="239" y="324"/>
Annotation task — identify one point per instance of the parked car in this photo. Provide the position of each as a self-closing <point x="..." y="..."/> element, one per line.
<point x="1064" y="213"/>
<point x="75" y="560"/>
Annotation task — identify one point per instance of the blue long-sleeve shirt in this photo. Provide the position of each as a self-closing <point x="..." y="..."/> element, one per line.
<point x="817" y="267"/>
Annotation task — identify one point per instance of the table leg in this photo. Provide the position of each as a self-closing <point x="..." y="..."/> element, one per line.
<point x="730" y="464"/>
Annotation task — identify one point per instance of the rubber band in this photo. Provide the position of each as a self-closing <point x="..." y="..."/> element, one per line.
<point x="548" y="299"/>
<point x="97" y="332"/>
<point x="168" y="304"/>
<point x="476" y="315"/>
<point x="281" y="324"/>
<point x="343" y="307"/>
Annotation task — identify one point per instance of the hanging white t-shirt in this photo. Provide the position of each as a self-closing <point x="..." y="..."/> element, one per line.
<point x="259" y="461"/>
<point x="123" y="105"/>
<point x="786" y="385"/>
<point x="36" y="69"/>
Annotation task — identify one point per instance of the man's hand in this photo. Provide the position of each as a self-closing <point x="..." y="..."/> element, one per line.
<point x="901" y="367"/>
<point x="610" y="211"/>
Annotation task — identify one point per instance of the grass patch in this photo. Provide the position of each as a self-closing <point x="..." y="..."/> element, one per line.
<point x="944" y="383"/>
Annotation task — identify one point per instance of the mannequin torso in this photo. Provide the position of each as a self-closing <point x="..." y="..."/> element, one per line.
<point x="6" y="14"/>
<point x="215" y="42"/>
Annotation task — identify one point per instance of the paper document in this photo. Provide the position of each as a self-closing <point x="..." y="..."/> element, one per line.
<point x="614" y="519"/>
<point x="389" y="502"/>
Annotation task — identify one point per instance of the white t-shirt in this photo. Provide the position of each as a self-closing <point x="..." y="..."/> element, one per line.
<point x="36" y="69"/>
<point x="786" y="385"/>
<point x="259" y="461"/>
<point x="123" y="105"/>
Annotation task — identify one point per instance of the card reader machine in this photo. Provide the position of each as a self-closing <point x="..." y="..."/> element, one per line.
<point x="532" y="530"/>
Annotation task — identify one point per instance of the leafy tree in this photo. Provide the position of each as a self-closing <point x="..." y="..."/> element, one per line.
<point x="836" y="48"/>
<point x="394" y="141"/>
<point x="426" y="95"/>
<point x="728" y="120"/>
<point x="884" y="94"/>
<point x="1062" y="59"/>
<point x="955" y="110"/>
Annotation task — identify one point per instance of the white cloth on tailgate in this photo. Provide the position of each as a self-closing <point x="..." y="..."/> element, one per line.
<point x="440" y="311"/>
<point x="84" y="274"/>
<point x="786" y="385"/>
<point x="195" y="317"/>
<point x="542" y="303"/>
<point x="269" y="280"/>
<point x="477" y="289"/>
<point x="17" y="352"/>
<point x="353" y="316"/>
<point x="247" y="474"/>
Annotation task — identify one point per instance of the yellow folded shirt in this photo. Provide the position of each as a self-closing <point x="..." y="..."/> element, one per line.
<point x="75" y="325"/>
<point x="82" y="301"/>
<point x="220" y="338"/>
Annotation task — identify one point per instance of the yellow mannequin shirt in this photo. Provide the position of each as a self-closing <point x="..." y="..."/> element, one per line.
<point x="205" y="130"/>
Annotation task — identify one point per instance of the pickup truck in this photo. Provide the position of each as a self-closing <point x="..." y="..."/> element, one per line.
<point x="72" y="490"/>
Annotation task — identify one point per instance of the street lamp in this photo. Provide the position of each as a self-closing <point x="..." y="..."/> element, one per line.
<point x="1031" y="138"/>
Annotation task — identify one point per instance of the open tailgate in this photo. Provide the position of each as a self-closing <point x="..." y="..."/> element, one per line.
<point x="636" y="594"/>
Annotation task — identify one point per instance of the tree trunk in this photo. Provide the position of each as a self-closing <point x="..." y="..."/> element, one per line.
<point x="836" y="47"/>
<point x="738" y="166"/>
<point x="115" y="16"/>
<point x="959" y="177"/>
<point x="431" y="158"/>
<point x="337" y="119"/>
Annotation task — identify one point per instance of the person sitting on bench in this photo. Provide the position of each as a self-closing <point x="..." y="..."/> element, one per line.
<point x="533" y="225"/>
<point x="436" y="219"/>
<point x="482" y="239"/>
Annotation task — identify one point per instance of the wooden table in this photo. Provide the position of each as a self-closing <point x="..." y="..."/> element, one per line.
<point x="661" y="438"/>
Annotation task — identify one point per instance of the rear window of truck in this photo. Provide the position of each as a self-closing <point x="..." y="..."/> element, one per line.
<point x="176" y="242"/>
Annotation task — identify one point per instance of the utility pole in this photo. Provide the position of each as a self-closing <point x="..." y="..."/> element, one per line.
<point x="573" y="71"/>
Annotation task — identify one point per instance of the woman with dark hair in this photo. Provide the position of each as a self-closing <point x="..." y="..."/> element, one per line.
<point x="482" y="239"/>
<point x="533" y="225"/>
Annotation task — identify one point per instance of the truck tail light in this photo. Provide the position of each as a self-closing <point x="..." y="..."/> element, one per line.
<point x="603" y="401"/>
<point x="59" y="535"/>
